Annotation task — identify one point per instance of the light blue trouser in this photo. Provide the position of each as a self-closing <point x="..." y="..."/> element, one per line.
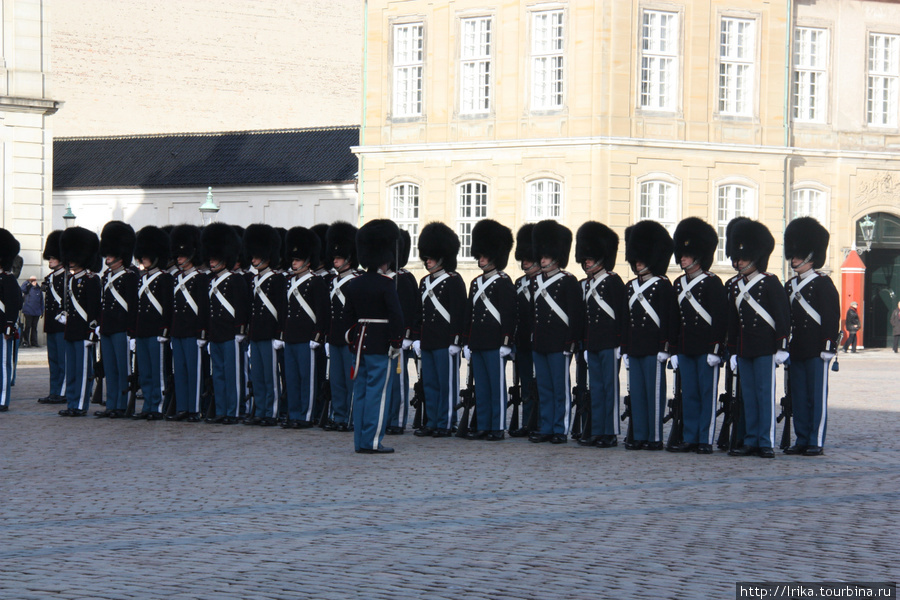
<point x="300" y="377"/>
<point x="758" y="388"/>
<point x="699" y="396"/>
<point x="371" y="391"/>
<point x="525" y="369"/>
<point x="225" y="362"/>
<point x="603" y="377"/>
<point x="79" y="375"/>
<point x="7" y="348"/>
<point x="647" y="377"/>
<point x="114" y="350"/>
<point x="342" y="361"/>
<point x="440" y="378"/>
<point x="551" y="371"/>
<point x="56" y="358"/>
<point x="809" y="388"/>
<point x="264" y="375"/>
<point x="186" y="365"/>
<point x="149" y="361"/>
<point x="491" y="393"/>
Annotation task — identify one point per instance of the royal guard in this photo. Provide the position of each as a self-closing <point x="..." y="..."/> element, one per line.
<point x="307" y="317"/>
<point x="652" y="326"/>
<point x="558" y="322"/>
<point x="373" y="308"/>
<point x="341" y="249"/>
<point x="596" y="246"/>
<point x="262" y="244"/>
<point x="758" y="328"/>
<point x="443" y="294"/>
<point x="411" y="305"/>
<point x="525" y="284"/>
<point x="10" y="305"/>
<point x="815" y="324"/>
<point x="702" y="324"/>
<point x="228" y="311"/>
<point x="54" y="287"/>
<point x="80" y="249"/>
<point x="118" y="314"/>
<point x="190" y="314"/>
<point x="490" y="325"/>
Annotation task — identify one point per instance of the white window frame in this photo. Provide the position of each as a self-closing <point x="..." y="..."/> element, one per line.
<point x="405" y="209"/>
<point x="731" y="193"/>
<point x="476" y="68"/>
<point x="471" y="207"/>
<point x="810" y="200"/>
<point x="409" y="69"/>
<point x="544" y="200"/>
<point x="547" y="60"/>
<point x="659" y="62"/>
<point x="658" y="199"/>
<point x="809" y="81"/>
<point x="882" y="79"/>
<point x="737" y="66"/>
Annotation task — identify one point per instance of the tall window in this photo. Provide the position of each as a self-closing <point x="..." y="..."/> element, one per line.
<point x="475" y="68"/>
<point x="658" y="202"/>
<point x="472" y="208"/>
<point x="547" y="60"/>
<point x="737" y="51"/>
<point x="544" y="200"/>
<point x="408" y="66"/>
<point x="659" y="60"/>
<point x="808" y="202"/>
<point x="810" y="86"/>
<point x="882" y="81"/>
<point x="405" y="210"/>
<point x="733" y="201"/>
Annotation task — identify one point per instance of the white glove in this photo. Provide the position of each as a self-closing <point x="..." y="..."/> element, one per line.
<point x="278" y="344"/>
<point x="313" y="345"/>
<point x="161" y="339"/>
<point x="239" y="338"/>
<point x="625" y="361"/>
<point x="132" y="344"/>
<point x="781" y="357"/>
<point x="97" y="330"/>
<point x="713" y="360"/>
<point x="417" y="348"/>
<point x="662" y="356"/>
<point x="826" y="356"/>
<point x="673" y="361"/>
<point x="61" y="317"/>
<point x="393" y="352"/>
<point x="505" y="351"/>
<point x="407" y="344"/>
<point x="327" y="350"/>
<point x="201" y="343"/>
<point x="618" y="352"/>
<point x="453" y="349"/>
<point x="733" y="362"/>
<point x="467" y="353"/>
<point x="585" y="356"/>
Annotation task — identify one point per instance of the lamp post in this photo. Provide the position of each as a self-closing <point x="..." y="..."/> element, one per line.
<point x="208" y="209"/>
<point x="867" y="227"/>
<point x="69" y="216"/>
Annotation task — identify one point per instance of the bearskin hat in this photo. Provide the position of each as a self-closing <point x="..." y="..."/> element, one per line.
<point x="283" y="263"/>
<point x="376" y="243"/>
<point x="9" y="249"/>
<point x="439" y="242"/>
<point x="524" y="243"/>
<point x="405" y="247"/>
<point x="596" y="241"/>
<point x="153" y="243"/>
<point x="340" y="240"/>
<point x="79" y="246"/>
<point x="321" y="230"/>
<point x="696" y="238"/>
<point x="242" y="257"/>
<point x="117" y="239"/>
<point x="553" y="240"/>
<point x="751" y="240"/>
<point x="184" y="240"/>
<point x="729" y="244"/>
<point x="649" y="242"/>
<point x="264" y="242"/>
<point x="18" y="263"/>
<point x="492" y="240"/>
<point x="804" y="236"/>
<point x="302" y="244"/>
<point x="51" y="247"/>
<point x="221" y="242"/>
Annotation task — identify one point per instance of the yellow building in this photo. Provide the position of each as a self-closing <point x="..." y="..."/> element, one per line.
<point x="620" y="111"/>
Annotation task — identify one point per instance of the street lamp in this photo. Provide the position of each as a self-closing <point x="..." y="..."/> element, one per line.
<point x="867" y="226"/>
<point x="69" y="217"/>
<point x="208" y="209"/>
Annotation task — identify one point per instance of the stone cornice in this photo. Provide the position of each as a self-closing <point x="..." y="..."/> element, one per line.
<point x="31" y="105"/>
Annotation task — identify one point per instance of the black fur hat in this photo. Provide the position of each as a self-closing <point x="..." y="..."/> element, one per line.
<point x="321" y="230"/>
<point x="751" y="240"/>
<point x="698" y="239"/>
<point x="439" y="242"/>
<point x="18" y="263"/>
<point x="9" y="249"/>
<point x="264" y="242"/>
<point x="804" y="236"/>
<point x="405" y="247"/>
<point x="649" y="242"/>
<point x="596" y="241"/>
<point x="117" y="239"/>
<point x="51" y="247"/>
<point x="303" y="244"/>
<point x="153" y="243"/>
<point x="340" y="240"/>
<point x="184" y="240"/>
<point x="492" y="240"/>
<point x="729" y="244"/>
<point x="283" y="263"/>
<point x="80" y="246"/>
<point x="552" y="239"/>
<point x="524" y="243"/>
<point x="221" y="242"/>
<point x="376" y="243"/>
<point x="241" y="251"/>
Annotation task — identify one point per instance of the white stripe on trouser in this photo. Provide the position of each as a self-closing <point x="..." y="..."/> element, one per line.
<point x="401" y="381"/>
<point x="714" y="400"/>
<point x="657" y="434"/>
<point x="567" y="421"/>
<point x="772" y="404"/>
<point x="615" y="380"/>
<point x="820" y="430"/>
<point x="162" y="375"/>
<point x="381" y="406"/>
<point x="3" y="399"/>
<point x="199" y="379"/>
<point x="62" y="392"/>
<point x="275" y="393"/>
<point x="237" y="381"/>
<point x="503" y="392"/>
<point x="312" y="384"/>
<point x="452" y="400"/>
<point x="84" y="378"/>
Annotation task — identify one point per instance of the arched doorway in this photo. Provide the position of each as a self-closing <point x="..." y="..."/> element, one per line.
<point x="882" y="287"/>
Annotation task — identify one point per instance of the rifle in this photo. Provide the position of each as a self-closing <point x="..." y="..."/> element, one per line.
<point x="208" y="395"/>
<point x="676" y="414"/>
<point x="629" y="433"/>
<point x="514" y="395"/>
<point x="737" y="411"/>
<point x="726" y="408"/>
<point x="324" y="397"/>
<point x="466" y="402"/>
<point x="418" y="399"/>
<point x="133" y="384"/>
<point x="97" y="395"/>
<point x="787" y="409"/>
<point x="581" y="424"/>
<point x="168" y="397"/>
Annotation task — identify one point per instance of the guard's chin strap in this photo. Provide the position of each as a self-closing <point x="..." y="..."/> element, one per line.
<point x="549" y="267"/>
<point x="488" y="267"/>
<point x="643" y="271"/>
<point x="807" y="260"/>
<point x="688" y="268"/>
<point x="748" y="268"/>
<point x="438" y="265"/>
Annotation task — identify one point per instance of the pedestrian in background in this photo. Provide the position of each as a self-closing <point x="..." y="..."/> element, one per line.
<point x="852" y="323"/>
<point x="32" y="308"/>
<point x="895" y="323"/>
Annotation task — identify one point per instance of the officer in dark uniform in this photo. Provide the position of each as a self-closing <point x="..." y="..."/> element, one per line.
<point x="79" y="248"/>
<point x="652" y="326"/>
<point x="700" y="344"/>
<point x="307" y="317"/>
<point x="558" y="323"/>
<point x="815" y="323"/>
<point x="10" y="305"/>
<point x="373" y="308"/>
<point x="531" y="265"/>
<point x="443" y="294"/>
<point x="54" y="287"/>
<point x="118" y="314"/>
<point x="596" y="246"/>
<point x="490" y="325"/>
<point x="758" y="327"/>
<point x="411" y="305"/>
<point x="190" y="314"/>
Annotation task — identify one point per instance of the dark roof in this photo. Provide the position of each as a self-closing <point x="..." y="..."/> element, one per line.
<point x="206" y="159"/>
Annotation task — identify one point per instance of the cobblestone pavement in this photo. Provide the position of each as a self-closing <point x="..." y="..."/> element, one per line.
<point x="113" y="509"/>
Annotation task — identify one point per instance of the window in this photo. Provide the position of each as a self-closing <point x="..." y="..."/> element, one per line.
<point x="475" y="69"/>
<point x="736" y="58"/>
<point x="809" y="85"/>
<point x="808" y="202"/>
<point x="472" y="197"/>
<point x="659" y="60"/>
<point x="733" y="201"/>
<point x="408" y="66"/>
<point x="547" y="60"/>
<point x="544" y="200"/>
<point x="882" y="81"/>
<point x="658" y="202"/>
<point x="405" y="210"/>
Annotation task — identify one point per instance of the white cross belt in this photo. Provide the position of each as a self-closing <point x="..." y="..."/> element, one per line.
<point x="336" y="290"/>
<point x="146" y="291"/>
<point x="81" y="312"/>
<point x="53" y="291"/>
<point x="638" y="296"/>
<point x="214" y="291"/>
<point x="429" y="293"/>
<point x="744" y="294"/>
<point x="686" y="293"/>
<point x="541" y="292"/>
<point x="112" y="289"/>
<point x="593" y="294"/>
<point x="181" y="286"/>
<point x="294" y="292"/>
<point x="258" y="291"/>
<point x="795" y="295"/>
<point x="480" y="294"/>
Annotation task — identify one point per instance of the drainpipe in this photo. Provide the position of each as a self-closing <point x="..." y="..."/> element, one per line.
<point x="788" y="38"/>
<point x="362" y="127"/>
